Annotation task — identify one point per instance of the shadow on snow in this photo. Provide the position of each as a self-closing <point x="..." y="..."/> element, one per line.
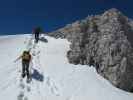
<point x="43" y="39"/>
<point x="37" y="76"/>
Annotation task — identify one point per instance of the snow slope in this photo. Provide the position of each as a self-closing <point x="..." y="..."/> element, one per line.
<point x="53" y="78"/>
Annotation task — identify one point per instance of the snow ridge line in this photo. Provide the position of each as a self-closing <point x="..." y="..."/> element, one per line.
<point x="50" y="83"/>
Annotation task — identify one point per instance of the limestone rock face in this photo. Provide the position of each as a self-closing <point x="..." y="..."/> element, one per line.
<point x="104" y="41"/>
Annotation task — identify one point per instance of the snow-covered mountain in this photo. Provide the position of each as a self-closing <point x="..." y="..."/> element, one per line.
<point x="104" y="41"/>
<point x="53" y="78"/>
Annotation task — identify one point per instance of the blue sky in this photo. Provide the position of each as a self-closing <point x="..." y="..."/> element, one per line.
<point x="20" y="16"/>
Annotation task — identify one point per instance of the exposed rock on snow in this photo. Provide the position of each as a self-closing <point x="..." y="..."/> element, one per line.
<point x="104" y="41"/>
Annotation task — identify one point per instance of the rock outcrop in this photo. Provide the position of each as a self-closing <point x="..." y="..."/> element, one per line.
<point x="104" y="41"/>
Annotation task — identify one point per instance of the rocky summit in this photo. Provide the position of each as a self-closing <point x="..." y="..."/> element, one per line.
<point x="104" y="41"/>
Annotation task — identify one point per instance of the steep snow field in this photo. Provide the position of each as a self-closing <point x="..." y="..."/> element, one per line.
<point x="53" y="78"/>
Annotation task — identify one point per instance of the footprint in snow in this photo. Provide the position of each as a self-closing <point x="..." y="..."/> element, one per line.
<point x="25" y="98"/>
<point x="22" y="86"/>
<point x="53" y="87"/>
<point x="28" y="88"/>
<point x="20" y="96"/>
<point x="54" y="90"/>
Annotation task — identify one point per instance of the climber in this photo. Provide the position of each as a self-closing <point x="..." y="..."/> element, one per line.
<point x="37" y="31"/>
<point x="26" y="59"/>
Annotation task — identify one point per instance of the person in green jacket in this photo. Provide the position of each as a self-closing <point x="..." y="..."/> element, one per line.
<point x="26" y="59"/>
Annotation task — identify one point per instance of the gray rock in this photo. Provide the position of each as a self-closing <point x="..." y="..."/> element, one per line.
<point x="104" y="41"/>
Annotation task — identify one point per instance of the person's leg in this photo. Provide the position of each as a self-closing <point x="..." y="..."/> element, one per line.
<point x="23" y="69"/>
<point x="27" y="69"/>
<point x="36" y="37"/>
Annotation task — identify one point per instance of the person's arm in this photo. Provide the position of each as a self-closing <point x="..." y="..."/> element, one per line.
<point x="18" y="58"/>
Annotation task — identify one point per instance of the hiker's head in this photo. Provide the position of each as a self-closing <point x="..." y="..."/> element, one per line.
<point x="26" y="52"/>
<point x="37" y="29"/>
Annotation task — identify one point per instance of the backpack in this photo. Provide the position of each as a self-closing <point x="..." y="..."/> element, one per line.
<point x="26" y="56"/>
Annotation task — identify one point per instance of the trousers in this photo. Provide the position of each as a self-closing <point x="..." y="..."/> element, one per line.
<point x="25" y="68"/>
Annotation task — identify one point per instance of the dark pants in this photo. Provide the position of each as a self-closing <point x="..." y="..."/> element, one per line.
<point x="25" y="68"/>
<point x="36" y="37"/>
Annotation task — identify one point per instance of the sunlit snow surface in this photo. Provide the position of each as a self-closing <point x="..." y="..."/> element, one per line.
<point x="53" y="78"/>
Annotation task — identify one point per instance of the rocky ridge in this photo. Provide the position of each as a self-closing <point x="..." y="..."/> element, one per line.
<point x="104" y="41"/>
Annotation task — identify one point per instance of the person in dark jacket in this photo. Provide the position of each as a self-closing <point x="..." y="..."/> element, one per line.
<point x="37" y="31"/>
